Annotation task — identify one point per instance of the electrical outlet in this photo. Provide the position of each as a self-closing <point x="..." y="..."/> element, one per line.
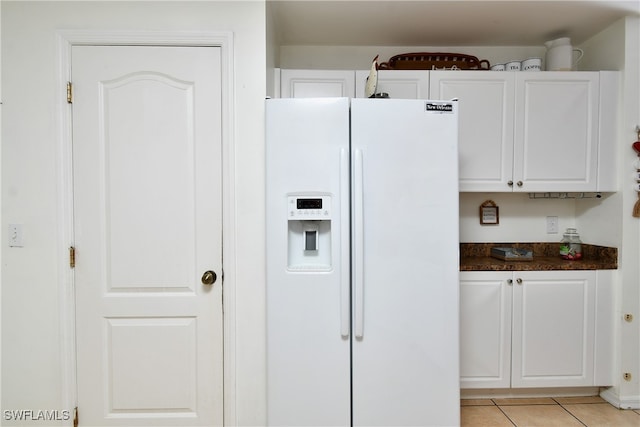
<point x="15" y="235"/>
<point x="552" y="225"/>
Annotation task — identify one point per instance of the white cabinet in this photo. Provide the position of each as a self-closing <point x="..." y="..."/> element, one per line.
<point x="485" y="329"/>
<point x="535" y="329"/>
<point x="519" y="131"/>
<point x="317" y="83"/>
<point x="533" y="131"/>
<point x="399" y="84"/>
<point x="556" y="131"/>
<point x="553" y="321"/>
<point x="486" y="125"/>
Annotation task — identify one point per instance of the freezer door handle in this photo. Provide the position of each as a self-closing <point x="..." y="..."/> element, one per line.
<point x="358" y="241"/>
<point x="344" y="243"/>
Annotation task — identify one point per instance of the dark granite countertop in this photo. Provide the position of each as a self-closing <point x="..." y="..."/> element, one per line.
<point x="477" y="257"/>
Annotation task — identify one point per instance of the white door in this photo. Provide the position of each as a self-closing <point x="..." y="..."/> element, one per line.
<point x="486" y="126"/>
<point x="556" y="131"/>
<point x="317" y="83"/>
<point x="307" y="290"/>
<point x="553" y="328"/>
<point x="399" y="84"/>
<point x="147" y="206"/>
<point x="485" y="329"/>
<point x="405" y="269"/>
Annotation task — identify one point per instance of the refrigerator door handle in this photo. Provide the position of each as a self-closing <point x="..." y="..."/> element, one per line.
<point x="344" y="243"/>
<point x="358" y="242"/>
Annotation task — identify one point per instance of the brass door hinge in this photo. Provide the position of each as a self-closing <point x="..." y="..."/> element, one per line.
<point x="75" y="417"/>
<point x="69" y="93"/>
<point x="72" y="257"/>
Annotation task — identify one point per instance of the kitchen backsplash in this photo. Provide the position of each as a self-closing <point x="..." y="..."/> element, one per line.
<point x="522" y="219"/>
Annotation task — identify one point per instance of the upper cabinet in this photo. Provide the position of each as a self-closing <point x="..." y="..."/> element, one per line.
<point x="556" y="132"/>
<point x="399" y="84"/>
<point x="519" y="131"/>
<point x="533" y="131"/>
<point x="486" y="125"/>
<point x="317" y="83"/>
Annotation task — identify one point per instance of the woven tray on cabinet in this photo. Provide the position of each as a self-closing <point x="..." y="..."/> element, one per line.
<point x="434" y="61"/>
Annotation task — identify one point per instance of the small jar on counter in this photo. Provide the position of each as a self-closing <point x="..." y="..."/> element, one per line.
<point x="571" y="245"/>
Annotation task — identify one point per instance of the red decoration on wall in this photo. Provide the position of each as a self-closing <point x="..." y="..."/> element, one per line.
<point x="636" y="147"/>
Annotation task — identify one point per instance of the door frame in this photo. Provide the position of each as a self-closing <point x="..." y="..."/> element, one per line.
<point x="65" y="40"/>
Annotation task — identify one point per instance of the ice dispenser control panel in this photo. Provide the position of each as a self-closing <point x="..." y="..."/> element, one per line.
<point x="309" y="235"/>
<point x="309" y="208"/>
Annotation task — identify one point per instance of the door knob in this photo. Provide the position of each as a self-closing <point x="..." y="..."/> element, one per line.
<point x="209" y="277"/>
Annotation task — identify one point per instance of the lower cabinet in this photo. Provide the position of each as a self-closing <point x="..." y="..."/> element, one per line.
<point x="535" y="329"/>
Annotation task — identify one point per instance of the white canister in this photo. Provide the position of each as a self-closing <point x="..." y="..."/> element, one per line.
<point x="512" y="66"/>
<point x="532" y="64"/>
<point x="560" y="55"/>
<point x="497" y="67"/>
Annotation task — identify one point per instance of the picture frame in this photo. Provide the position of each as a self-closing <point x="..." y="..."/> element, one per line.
<point x="489" y="213"/>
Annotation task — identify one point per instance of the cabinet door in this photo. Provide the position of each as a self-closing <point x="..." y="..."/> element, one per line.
<point x="485" y="329"/>
<point x="399" y="84"/>
<point x="486" y="125"/>
<point x="556" y="131"/>
<point x="553" y="328"/>
<point x="317" y="83"/>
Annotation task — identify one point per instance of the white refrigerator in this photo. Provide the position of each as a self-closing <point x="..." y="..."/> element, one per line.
<point x="362" y="262"/>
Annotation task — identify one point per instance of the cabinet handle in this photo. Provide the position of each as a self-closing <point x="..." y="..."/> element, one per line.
<point x="509" y="282"/>
<point x="510" y="183"/>
<point x="519" y="281"/>
<point x="519" y="183"/>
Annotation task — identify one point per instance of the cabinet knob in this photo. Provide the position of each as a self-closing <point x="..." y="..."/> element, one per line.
<point x="519" y="281"/>
<point x="510" y="282"/>
<point x="510" y="183"/>
<point x="519" y="183"/>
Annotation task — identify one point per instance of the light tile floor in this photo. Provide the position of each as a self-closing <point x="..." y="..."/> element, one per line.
<point x="592" y="411"/>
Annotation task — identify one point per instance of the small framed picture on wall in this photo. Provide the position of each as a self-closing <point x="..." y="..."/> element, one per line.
<point x="489" y="213"/>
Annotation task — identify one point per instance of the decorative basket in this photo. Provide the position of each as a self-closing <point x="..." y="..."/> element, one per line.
<point x="434" y="61"/>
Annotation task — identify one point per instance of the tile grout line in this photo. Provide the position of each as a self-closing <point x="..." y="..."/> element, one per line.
<point x="568" y="411"/>
<point x="504" y="413"/>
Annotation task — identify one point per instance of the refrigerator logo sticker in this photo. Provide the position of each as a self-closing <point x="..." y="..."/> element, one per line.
<point x="444" y="107"/>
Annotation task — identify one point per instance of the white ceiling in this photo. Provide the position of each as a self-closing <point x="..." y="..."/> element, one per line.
<point x="441" y="23"/>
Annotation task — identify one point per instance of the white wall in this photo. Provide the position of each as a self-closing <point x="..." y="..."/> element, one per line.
<point x="273" y="54"/>
<point x="1" y="222"/>
<point x="360" y="57"/>
<point x="31" y="346"/>
<point x="630" y="332"/>
<point x="618" y="47"/>
<point x="521" y="219"/>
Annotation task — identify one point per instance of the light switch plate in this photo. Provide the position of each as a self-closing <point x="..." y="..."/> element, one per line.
<point x="15" y="235"/>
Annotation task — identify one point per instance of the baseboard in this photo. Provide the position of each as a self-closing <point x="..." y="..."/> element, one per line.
<point x="495" y="393"/>
<point x="622" y="402"/>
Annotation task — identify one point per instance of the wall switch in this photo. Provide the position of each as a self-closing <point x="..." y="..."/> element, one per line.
<point x="552" y="225"/>
<point x="15" y="235"/>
